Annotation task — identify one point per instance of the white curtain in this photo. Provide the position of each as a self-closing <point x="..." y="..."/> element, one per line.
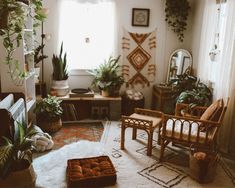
<point x="221" y="72"/>
<point x="206" y="42"/>
<point x="88" y="31"/>
<point x="225" y="80"/>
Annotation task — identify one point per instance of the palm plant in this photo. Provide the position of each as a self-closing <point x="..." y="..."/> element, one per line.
<point x="106" y="76"/>
<point x="60" y="66"/>
<point x="16" y="155"/>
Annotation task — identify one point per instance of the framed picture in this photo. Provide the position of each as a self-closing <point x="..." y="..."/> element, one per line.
<point x="140" y="17"/>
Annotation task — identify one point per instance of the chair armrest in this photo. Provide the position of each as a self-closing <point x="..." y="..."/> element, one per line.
<point x="148" y="112"/>
<point x="135" y="122"/>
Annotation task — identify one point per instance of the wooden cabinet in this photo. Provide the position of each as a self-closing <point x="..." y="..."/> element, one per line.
<point x="163" y="99"/>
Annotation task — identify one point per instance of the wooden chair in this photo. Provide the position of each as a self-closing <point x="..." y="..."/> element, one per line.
<point x="144" y="119"/>
<point x="190" y="130"/>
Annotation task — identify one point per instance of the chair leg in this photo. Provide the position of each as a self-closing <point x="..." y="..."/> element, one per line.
<point x="150" y="142"/>
<point x="134" y="132"/>
<point x="163" y="145"/>
<point x="123" y="129"/>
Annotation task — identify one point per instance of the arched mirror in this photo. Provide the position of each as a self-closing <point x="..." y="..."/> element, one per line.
<point x="180" y="62"/>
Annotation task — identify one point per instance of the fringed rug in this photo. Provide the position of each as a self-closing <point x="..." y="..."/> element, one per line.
<point x="73" y="132"/>
<point x="134" y="167"/>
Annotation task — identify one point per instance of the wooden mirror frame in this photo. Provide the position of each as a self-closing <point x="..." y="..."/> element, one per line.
<point x="187" y="70"/>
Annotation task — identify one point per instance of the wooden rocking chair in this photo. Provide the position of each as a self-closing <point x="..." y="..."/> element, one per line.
<point x="198" y="132"/>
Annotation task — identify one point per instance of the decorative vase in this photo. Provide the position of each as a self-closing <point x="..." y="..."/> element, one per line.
<point x="61" y="87"/>
<point x="21" y="178"/>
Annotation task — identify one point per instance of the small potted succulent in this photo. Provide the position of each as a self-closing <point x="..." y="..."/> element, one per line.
<point x="107" y="77"/>
<point x="16" y="168"/>
<point x="48" y="114"/>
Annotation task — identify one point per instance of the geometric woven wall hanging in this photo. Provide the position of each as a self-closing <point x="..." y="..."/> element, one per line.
<point x="138" y="58"/>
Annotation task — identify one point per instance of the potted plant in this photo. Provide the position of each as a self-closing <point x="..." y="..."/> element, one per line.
<point x="107" y="77"/>
<point x="177" y="12"/>
<point x="16" y="168"/>
<point x="60" y="74"/>
<point x="48" y="114"/>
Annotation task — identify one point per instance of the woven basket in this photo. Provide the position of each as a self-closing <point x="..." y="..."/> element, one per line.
<point x="203" y="170"/>
<point x="49" y="126"/>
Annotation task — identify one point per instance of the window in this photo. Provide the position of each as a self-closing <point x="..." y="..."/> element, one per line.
<point x="88" y="32"/>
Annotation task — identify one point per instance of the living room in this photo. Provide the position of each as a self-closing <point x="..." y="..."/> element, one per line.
<point x="144" y="39"/>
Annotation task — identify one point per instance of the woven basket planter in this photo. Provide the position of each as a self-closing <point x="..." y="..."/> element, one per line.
<point x="49" y="126"/>
<point x="20" y="178"/>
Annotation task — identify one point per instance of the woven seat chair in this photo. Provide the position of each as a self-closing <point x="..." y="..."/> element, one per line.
<point x="193" y="131"/>
<point x="147" y="120"/>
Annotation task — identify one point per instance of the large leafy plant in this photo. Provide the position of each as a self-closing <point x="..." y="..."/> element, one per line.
<point x="49" y="108"/>
<point x="16" y="155"/>
<point x="177" y="12"/>
<point x="60" y="66"/>
<point x="107" y="76"/>
<point x="191" y="91"/>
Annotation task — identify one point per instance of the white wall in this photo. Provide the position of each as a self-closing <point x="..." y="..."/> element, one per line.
<point x="167" y="41"/>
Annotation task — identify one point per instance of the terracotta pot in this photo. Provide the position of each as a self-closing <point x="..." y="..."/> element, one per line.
<point x="21" y="178"/>
<point x="104" y="93"/>
<point x="49" y="126"/>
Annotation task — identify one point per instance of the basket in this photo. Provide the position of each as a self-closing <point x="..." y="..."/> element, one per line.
<point x="49" y="126"/>
<point x="90" y="172"/>
<point x="203" y="170"/>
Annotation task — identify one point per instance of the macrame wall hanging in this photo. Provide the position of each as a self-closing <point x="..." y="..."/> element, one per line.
<point x="138" y="58"/>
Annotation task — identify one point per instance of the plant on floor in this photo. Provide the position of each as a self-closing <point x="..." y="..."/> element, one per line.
<point x="177" y="12"/>
<point x="48" y="114"/>
<point x="49" y="108"/>
<point x="16" y="155"/>
<point x="107" y="76"/>
<point x="60" y="65"/>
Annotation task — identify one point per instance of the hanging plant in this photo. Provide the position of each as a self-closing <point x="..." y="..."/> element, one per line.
<point x="177" y="12"/>
<point x="12" y="32"/>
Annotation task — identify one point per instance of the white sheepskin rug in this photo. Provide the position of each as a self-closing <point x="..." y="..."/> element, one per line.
<point x="51" y="168"/>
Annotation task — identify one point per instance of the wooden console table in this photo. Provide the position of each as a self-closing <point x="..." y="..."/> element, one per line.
<point x="163" y="99"/>
<point x="95" y="107"/>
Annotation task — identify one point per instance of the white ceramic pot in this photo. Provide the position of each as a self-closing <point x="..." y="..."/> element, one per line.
<point x="61" y="87"/>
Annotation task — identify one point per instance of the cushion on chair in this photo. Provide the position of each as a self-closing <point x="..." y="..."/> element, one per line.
<point x="211" y="110"/>
<point x="155" y="120"/>
<point x="185" y="131"/>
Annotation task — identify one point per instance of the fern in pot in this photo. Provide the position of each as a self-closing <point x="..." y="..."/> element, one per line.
<point x="60" y="73"/>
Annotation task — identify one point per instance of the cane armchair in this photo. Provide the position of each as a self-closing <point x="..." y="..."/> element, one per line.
<point x="196" y="129"/>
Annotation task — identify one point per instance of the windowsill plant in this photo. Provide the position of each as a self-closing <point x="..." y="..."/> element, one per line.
<point x="107" y="77"/>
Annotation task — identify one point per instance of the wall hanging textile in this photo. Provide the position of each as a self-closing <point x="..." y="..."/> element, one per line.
<point x="138" y="58"/>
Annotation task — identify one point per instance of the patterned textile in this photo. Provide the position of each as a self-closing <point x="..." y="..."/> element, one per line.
<point x="139" y="58"/>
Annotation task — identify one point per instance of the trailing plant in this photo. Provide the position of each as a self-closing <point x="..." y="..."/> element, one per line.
<point x="60" y="65"/>
<point x="177" y="12"/>
<point x="16" y="155"/>
<point x="12" y="32"/>
<point x="107" y="76"/>
<point x="49" y="108"/>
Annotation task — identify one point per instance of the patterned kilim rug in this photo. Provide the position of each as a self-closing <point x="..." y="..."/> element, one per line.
<point x="134" y="167"/>
<point x="73" y="132"/>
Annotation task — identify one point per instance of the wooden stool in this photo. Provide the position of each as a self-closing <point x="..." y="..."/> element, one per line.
<point x="144" y="119"/>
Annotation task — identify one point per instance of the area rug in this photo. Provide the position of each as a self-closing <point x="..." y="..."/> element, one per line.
<point x="73" y="132"/>
<point x="134" y="167"/>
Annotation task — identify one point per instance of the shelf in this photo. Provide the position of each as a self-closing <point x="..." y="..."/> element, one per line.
<point x="29" y="52"/>
<point x="28" y="30"/>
